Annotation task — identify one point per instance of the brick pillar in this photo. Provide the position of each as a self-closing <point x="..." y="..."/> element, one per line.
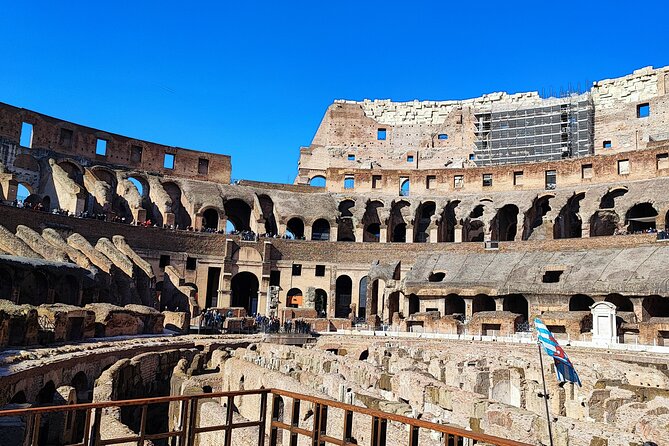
<point x="197" y="222"/>
<point x="307" y="232"/>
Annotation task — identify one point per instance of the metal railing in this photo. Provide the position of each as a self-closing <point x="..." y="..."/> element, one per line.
<point x="188" y="428"/>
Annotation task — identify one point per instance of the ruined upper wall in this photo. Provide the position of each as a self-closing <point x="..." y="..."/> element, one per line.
<point x="79" y="142"/>
<point x="443" y="134"/>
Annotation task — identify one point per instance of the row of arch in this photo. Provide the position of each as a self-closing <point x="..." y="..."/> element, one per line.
<point x="34" y="287"/>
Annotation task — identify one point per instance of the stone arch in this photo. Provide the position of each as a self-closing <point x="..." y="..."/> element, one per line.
<point x="362" y="296"/>
<point x="321" y="302"/>
<point x="244" y="289"/>
<point x="482" y="302"/>
<point x="516" y="303"/>
<point x="210" y="219"/>
<point x="19" y="398"/>
<point x="46" y="203"/>
<point x="26" y="162"/>
<point x="23" y="191"/>
<point x="580" y="302"/>
<point x="294" y="298"/>
<point x="81" y="385"/>
<point x="6" y="284"/>
<point x="372" y="222"/>
<point x="641" y="217"/>
<point x="34" y="289"/>
<point x="73" y="169"/>
<point x="238" y="213"/>
<point x="343" y="290"/>
<point x="446" y="232"/>
<point x="46" y="394"/>
<point x="277" y="408"/>
<point x="405" y="187"/>
<point x="267" y="207"/>
<point x="535" y="214"/>
<point x="364" y="355"/>
<point x="378" y="287"/>
<point x="345" y="227"/>
<point x="454" y="304"/>
<point x="504" y="225"/>
<point x="396" y="224"/>
<point x="66" y="290"/>
<point x="318" y="181"/>
<point x="622" y="303"/>
<point x="320" y="230"/>
<point x="568" y="223"/>
<point x="296" y="227"/>
<point x="654" y="306"/>
<point x="181" y="217"/>
<point x="608" y="199"/>
<point x="473" y="227"/>
<point x="424" y="215"/>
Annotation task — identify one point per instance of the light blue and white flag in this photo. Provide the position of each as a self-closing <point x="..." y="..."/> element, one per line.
<point x="563" y="366"/>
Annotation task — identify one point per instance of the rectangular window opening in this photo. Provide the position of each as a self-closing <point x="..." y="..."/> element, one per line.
<point x="320" y="271"/>
<point x="409" y="158"/>
<point x="351" y="157"/>
<point x="191" y="263"/>
<point x="430" y="182"/>
<point x="487" y="179"/>
<point x="136" y="154"/>
<point x="376" y="181"/>
<point x="607" y="144"/>
<point x="551" y="179"/>
<point x="297" y="269"/>
<point x="551" y="276"/>
<point x="275" y="278"/>
<point x="458" y="181"/>
<point x="442" y="136"/>
<point x="643" y="110"/>
<point x="381" y="134"/>
<point x="662" y="160"/>
<point x="168" y="161"/>
<point x="101" y="147"/>
<point x="518" y="178"/>
<point x="26" y="135"/>
<point x="349" y="182"/>
<point x="164" y="261"/>
<point x="623" y="167"/>
<point x="586" y="171"/>
<point x="203" y="166"/>
<point x="65" y="138"/>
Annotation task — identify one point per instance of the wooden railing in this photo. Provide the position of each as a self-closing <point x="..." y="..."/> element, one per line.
<point x="188" y="428"/>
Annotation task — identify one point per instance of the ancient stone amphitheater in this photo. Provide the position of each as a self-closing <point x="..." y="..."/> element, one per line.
<point x="418" y="243"/>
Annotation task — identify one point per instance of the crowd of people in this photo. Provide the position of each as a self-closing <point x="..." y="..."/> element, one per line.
<point x="212" y="319"/>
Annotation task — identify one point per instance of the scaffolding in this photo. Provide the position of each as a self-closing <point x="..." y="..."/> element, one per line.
<point x="557" y="128"/>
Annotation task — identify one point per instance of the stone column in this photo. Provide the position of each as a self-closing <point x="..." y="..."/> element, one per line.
<point x="307" y="232"/>
<point x="334" y="230"/>
<point x="409" y="235"/>
<point x="383" y="234"/>
<point x="468" y="307"/>
<point x="457" y="233"/>
<point x="197" y="223"/>
<point x="434" y="233"/>
<point x="359" y="232"/>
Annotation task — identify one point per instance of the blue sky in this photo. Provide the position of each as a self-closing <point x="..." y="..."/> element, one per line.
<point x="253" y="79"/>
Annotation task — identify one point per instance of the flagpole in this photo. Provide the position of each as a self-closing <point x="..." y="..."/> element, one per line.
<point x="545" y="395"/>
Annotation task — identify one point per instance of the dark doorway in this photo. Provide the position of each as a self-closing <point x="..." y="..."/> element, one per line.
<point x="343" y="289"/>
<point x="213" y="278"/>
<point x="245" y="288"/>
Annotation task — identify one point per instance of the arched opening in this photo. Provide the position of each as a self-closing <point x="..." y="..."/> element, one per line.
<point x="608" y="200"/>
<point x="181" y="217"/>
<point x="399" y="233"/>
<point x="621" y="302"/>
<point x="414" y="304"/>
<point x="654" y="306"/>
<point x="516" y="303"/>
<point x="504" y="225"/>
<point x="397" y="223"/>
<point x="363" y="355"/>
<point x="210" y="219"/>
<point x="66" y="290"/>
<point x="318" y="181"/>
<point x="80" y="384"/>
<point x="362" y="297"/>
<point x="473" y="227"/>
<point x="74" y="171"/>
<point x="343" y="289"/>
<point x="22" y="192"/>
<point x="580" y="302"/>
<point x="139" y="185"/>
<point x="568" y="223"/>
<point x="6" y="285"/>
<point x="46" y="394"/>
<point x="641" y="218"/>
<point x="244" y="287"/>
<point x="34" y="289"/>
<point x="239" y="213"/>
<point x="320" y="230"/>
<point x="482" y="302"/>
<point x="446" y="231"/>
<point x="267" y="206"/>
<point x="378" y="290"/>
<point x="404" y="188"/>
<point x="455" y="305"/>
<point x="294" y="298"/>
<point x="46" y="203"/>
<point x="345" y="231"/>
<point x="19" y="398"/>
<point x="372" y="222"/>
<point x="604" y="222"/>
<point x="321" y="303"/>
<point x="424" y="216"/>
<point x="295" y="227"/>
<point x="535" y="214"/>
